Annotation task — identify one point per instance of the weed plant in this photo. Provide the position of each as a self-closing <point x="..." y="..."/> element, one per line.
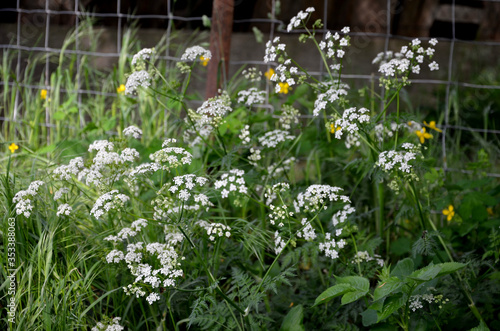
<point x="326" y="213"/>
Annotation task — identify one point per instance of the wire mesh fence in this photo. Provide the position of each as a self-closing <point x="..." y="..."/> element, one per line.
<point x="450" y="81"/>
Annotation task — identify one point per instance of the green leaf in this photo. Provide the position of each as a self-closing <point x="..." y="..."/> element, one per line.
<point x="352" y="296"/>
<point x="391" y="305"/>
<point x="480" y="327"/>
<point x="333" y="292"/>
<point x="109" y="124"/>
<point x="58" y="115"/>
<point x="391" y="285"/>
<point x="449" y="267"/>
<point x="293" y="320"/>
<point x="403" y="268"/>
<point x="426" y="273"/>
<point x="359" y="283"/>
<point x="369" y="317"/>
<point x="47" y="149"/>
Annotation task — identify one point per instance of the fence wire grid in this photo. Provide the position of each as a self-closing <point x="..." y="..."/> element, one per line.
<point x="275" y="25"/>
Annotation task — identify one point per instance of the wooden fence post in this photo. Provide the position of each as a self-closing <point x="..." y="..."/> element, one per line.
<point x="220" y="44"/>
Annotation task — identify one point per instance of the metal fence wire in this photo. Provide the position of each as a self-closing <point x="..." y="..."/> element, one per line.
<point x="274" y="26"/>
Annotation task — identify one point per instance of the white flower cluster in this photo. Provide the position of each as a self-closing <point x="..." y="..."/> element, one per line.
<point x="271" y="139"/>
<point x="331" y="247"/>
<point x="195" y="52"/>
<point x="271" y="193"/>
<point x="184" y="185"/>
<point x="136" y="79"/>
<point x="232" y="182"/>
<point x="64" y="209"/>
<point x="144" y="273"/>
<point x="125" y="233"/>
<point x="334" y="93"/>
<point x="307" y="232"/>
<point x="132" y="131"/>
<point x="170" y="157"/>
<point x="284" y="73"/>
<point x="108" y="201"/>
<point x="279" y="214"/>
<point x="389" y="160"/>
<point x="215" y="230"/>
<point x="408" y="59"/>
<point x="363" y="256"/>
<point x="341" y="216"/>
<point x="297" y="19"/>
<point x="143" y="55"/>
<point x="23" y="199"/>
<point x="213" y="110"/>
<point x="332" y="49"/>
<point x="64" y="172"/>
<point x="112" y="325"/>
<point x="245" y="135"/>
<point x="107" y="166"/>
<point x="273" y="49"/>
<point x="289" y="115"/>
<point x="252" y="75"/>
<point x="59" y="193"/>
<point x="417" y="300"/>
<point x="316" y="198"/>
<point x="350" y="121"/>
<point x="279" y="243"/>
<point x="254" y="156"/>
<point x="276" y="170"/>
<point x="382" y="131"/>
<point x="172" y="234"/>
<point x="252" y="96"/>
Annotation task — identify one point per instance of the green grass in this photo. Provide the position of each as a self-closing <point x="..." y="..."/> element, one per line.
<point x="63" y="281"/>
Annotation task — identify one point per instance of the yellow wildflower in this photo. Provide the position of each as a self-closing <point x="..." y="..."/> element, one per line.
<point x="333" y="129"/>
<point x="449" y="213"/>
<point x="284" y="88"/>
<point x="120" y="89"/>
<point x="432" y="125"/>
<point x="269" y="73"/>
<point x="204" y="60"/>
<point x="43" y="94"/>
<point x="422" y="135"/>
<point x="489" y="210"/>
<point x="13" y="147"/>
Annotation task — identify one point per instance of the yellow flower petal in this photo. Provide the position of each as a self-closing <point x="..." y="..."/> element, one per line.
<point x="13" y="147"/>
<point x="269" y="73"/>
<point x="120" y="89"/>
<point x="43" y="94"/>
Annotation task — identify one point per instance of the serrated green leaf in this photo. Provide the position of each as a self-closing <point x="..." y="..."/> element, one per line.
<point x="391" y="285"/>
<point x="427" y="273"/>
<point x="359" y="283"/>
<point x="391" y="305"/>
<point x="333" y="292"/>
<point x="403" y="268"/>
<point x="449" y="267"/>
<point x="293" y="320"/>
